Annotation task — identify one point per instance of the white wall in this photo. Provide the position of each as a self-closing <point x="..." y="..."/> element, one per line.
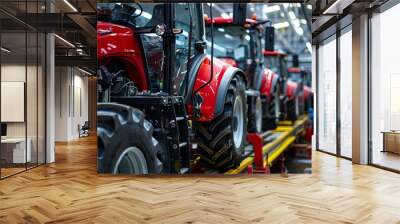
<point x="12" y="73"/>
<point x="71" y="102"/>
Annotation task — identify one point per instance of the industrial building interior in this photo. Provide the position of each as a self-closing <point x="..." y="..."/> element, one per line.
<point x="48" y="150"/>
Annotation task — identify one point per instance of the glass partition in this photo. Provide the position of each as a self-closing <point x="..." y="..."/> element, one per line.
<point x="327" y="96"/>
<point x="346" y="93"/>
<point x="14" y="143"/>
<point x="385" y="89"/>
<point x="22" y="87"/>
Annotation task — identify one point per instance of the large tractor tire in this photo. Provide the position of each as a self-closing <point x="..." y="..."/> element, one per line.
<point x="271" y="110"/>
<point x="126" y="144"/>
<point x="255" y="116"/>
<point x="268" y="119"/>
<point x="221" y="142"/>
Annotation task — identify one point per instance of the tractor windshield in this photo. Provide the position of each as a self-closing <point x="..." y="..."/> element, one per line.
<point x="237" y="43"/>
<point x="132" y="14"/>
<point x="231" y="42"/>
<point x="272" y="63"/>
<point x="295" y="76"/>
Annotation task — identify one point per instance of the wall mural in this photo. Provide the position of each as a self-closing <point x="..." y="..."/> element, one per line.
<point x="183" y="88"/>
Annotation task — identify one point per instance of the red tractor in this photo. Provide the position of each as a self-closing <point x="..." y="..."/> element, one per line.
<point x="290" y="90"/>
<point x="157" y="84"/>
<point x="240" y="45"/>
<point x="303" y="79"/>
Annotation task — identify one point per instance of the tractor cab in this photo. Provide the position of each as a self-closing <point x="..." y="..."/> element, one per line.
<point x="275" y="60"/>
<point x="238" y="41"/>
<point x="237" y="44"/>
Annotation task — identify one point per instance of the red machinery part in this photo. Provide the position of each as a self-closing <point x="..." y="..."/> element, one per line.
<point x="307" y="92"/>
<point x="209" y="92"/>
<point x="257" y="141"/>
<point x="230" y="61"/>
<point x="269" y="79"/>
<point x="116" y="42"/>
<point x="291" y="89"/>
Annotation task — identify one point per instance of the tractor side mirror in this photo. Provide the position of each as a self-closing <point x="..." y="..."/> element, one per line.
<point x="200" y="46"/>
<point x="160" y="30"/>
<point x="239" y="13"/>
<point x="177" y="31"/>
<point x="269" y="38"/>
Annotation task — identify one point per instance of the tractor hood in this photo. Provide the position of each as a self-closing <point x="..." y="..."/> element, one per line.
<point x="292" y="89"/>
<point x="229" y="61"/>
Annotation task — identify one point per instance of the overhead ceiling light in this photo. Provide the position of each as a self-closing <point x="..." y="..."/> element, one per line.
<point x="216" y="47"/>
<point x="225" y="15"/>
<point x="146" y="15"/>
<point x="292" y="15"/>
<point x="5" y="50"/>
<point x="338" y="6"/>
<point x="84" y="71"/>
<point x="269" y="9"/>
<point x="228" y="36"/>
<point x="309" y="47"/>
<point x="299" y="31"/>
<point x="281" y="25"/>
<point x="65" y="41"/>
<point x="296" y="23"/>
<point x="70" y="5"/>
<point x="309" y="6"/>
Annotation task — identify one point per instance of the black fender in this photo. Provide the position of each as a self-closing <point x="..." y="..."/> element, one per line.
<point x="223" y="88"/>
<point x="275" y="82"/>
<point x="259" y="72"/>
<point x="194" y="68"/>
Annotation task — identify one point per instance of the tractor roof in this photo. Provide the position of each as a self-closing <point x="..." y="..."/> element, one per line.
<point x="294" y="70"/>
<point x="227" y="21"/>
<point x="274" y="53"/>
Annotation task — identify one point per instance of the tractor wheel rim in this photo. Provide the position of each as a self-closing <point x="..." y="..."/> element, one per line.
<point x="131" y="161"/>
<point x="258" y="115"/>
<point x="238" y="116"/>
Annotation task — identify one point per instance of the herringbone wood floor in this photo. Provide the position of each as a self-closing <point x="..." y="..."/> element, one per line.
<point x="70" y="191"/>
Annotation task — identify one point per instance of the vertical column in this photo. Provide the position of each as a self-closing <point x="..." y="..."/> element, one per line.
<point x="314" y="89"/>
<point x="360" y="90"/>
<point x="50" y="92"/>
<point x="338" y="99"/>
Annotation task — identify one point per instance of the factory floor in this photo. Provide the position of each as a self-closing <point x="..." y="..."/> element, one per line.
<point x="70" y="191"/>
